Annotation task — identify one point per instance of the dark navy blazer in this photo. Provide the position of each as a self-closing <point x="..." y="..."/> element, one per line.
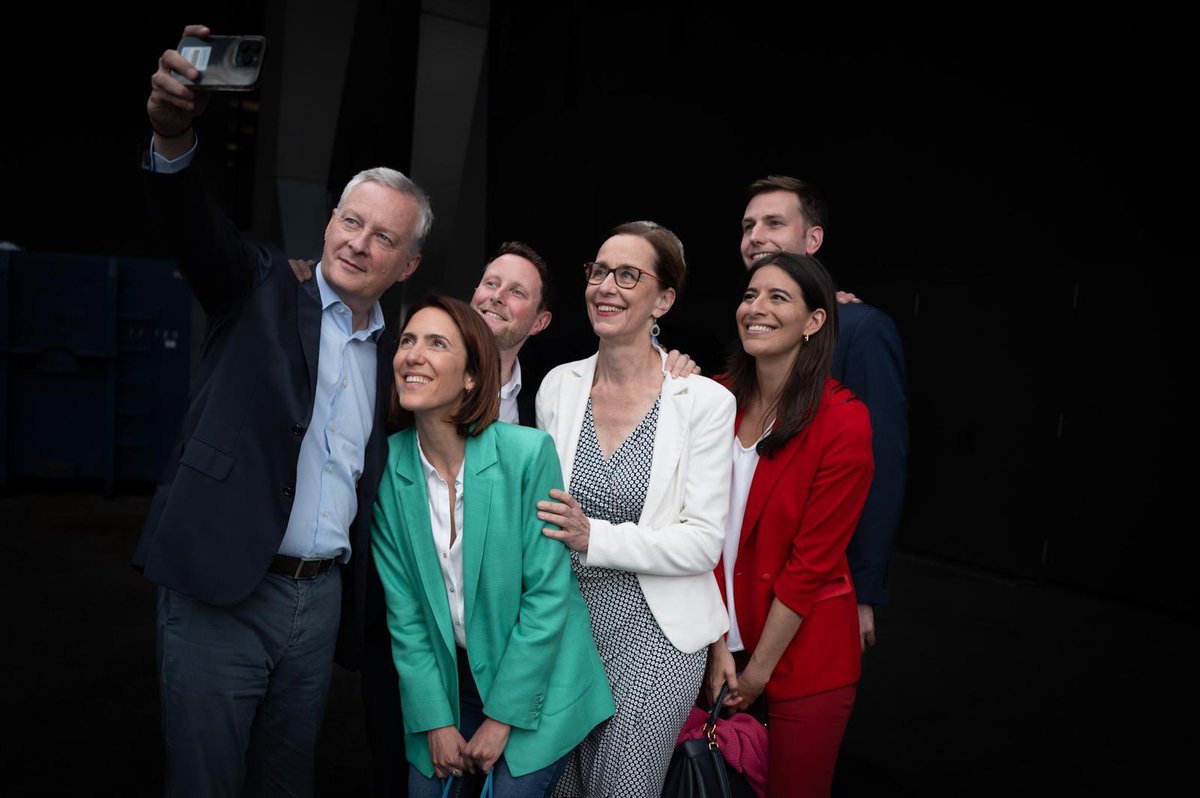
<point x="870" y="361"/>
<point x="530" y="382"/>
<point x="225" y="497"/>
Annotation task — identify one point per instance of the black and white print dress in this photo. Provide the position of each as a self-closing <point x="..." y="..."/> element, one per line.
<point x="653" y="683"/>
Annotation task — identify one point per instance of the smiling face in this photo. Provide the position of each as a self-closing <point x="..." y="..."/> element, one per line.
<point x="773" y="317"/>
<point x="508" y="297"/>
<point x="431" y="365"/>
<point x="368" y="244"/>
<point x="616" y="312"/>
<point x="774" y="222"/>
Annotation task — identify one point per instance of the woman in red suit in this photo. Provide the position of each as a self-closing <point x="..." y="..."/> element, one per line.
<point x="802" y="467"/>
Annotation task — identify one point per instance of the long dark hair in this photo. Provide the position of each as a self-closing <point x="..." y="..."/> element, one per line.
<point x="802" y="391"/>
<point x="479" y="407"/>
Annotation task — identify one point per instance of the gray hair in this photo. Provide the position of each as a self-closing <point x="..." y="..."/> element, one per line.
<point x="397" y="181"/>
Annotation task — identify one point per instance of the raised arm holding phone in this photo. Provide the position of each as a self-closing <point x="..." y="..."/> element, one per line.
<point x="259" y="532"/>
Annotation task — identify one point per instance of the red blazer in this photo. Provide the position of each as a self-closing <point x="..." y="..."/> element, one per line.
<point x="803" y="506"/>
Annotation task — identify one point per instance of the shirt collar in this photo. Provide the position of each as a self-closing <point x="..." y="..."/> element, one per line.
<point x="513" y="386"/>
<point x="431" y="472"/>
<point x="329" y="298"/>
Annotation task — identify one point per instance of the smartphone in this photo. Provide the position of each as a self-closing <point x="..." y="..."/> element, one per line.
<point x="226" y="63"/>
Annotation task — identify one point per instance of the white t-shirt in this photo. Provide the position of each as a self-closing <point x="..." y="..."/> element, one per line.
<point x="745" y="461"/>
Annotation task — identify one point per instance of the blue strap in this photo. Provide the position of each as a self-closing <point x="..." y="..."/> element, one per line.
<point x="487" y="785"/>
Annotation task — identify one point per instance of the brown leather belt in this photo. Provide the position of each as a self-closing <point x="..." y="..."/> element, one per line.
<point x="297" y="568"/>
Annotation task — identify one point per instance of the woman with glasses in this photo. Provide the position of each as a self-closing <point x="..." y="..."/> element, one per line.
<point x="802" y="467"/>
<point x="646" y="458"/>
<point x="497" y="668"/>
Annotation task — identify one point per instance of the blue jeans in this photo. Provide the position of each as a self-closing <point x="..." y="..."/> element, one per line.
<point x="243" y="687"/>
<point x="537" y="784"/>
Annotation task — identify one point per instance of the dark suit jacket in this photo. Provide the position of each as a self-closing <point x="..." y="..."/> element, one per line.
<point x="531" y="380"/>
<point x="803" y="505"/>
<point x="870" y="361"/>
<point x="225" y="497"/>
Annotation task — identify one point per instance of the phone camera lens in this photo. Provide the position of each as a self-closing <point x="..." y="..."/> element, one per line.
<point x="248" y="54"/>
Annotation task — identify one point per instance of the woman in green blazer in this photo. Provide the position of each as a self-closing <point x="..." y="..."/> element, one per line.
<point x="489" y="632"/>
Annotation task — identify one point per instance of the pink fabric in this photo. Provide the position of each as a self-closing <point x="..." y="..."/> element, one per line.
<point x="743" y="742"/>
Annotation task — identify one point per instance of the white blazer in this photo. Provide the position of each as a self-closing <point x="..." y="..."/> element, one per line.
<point x="678" y="539"/>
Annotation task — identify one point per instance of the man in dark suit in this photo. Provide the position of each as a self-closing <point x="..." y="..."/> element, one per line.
<point x="783" y="213"/>
<point x="259" y="532"/>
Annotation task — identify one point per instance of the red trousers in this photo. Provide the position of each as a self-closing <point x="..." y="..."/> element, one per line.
<point x="803" y="737"/>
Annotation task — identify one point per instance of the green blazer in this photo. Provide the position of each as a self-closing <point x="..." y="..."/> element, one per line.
<point x="528" y="636"/>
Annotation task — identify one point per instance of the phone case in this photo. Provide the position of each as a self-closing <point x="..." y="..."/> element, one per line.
<point x="227" y="63"/>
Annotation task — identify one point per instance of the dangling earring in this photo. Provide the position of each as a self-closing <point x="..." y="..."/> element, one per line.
<point x="806" y="338"/>
<point x="654" y="331"/>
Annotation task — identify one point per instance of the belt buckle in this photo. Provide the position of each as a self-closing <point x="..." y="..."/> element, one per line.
<point x="299" y="567"/>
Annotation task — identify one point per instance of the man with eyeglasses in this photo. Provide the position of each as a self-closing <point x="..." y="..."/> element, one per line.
<point x="259" y="533"/>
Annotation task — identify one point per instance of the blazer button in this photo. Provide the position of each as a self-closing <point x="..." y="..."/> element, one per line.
<point x="289" y="491"/>
<point x="297" y="430"/>
<point x="765" y="578"/>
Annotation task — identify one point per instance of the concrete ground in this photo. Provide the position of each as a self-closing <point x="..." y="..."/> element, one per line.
<point x="980" y="685"/>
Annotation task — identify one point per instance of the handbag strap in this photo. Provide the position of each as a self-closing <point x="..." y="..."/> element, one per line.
<point x="716" y="710"/>
<point x="710" y="725"/>
<point x="487" y="785"/>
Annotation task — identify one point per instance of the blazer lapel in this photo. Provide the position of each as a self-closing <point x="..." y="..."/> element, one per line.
<point x="766" y="477"/>
<point x="572" y="405"/>
<point x="477" y="500"/>
<point x="415" y="501"/>
<point x="673" y="412"/>
<point x="308" y="320"/>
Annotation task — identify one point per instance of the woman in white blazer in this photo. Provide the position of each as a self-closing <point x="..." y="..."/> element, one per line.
<point x="647" y="462"/>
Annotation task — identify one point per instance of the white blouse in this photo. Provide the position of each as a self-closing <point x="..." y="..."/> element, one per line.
<point x="745" y="461"/>
<point x="449" y="554"/>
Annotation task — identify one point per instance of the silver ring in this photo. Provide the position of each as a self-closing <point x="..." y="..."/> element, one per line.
<point x="456" y="773"/>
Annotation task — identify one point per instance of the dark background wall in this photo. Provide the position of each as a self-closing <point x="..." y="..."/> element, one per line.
<point x="1009" y="188"/>
<point x="1007" y="191"/>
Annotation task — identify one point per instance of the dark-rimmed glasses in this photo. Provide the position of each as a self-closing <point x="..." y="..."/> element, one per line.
<point x="625" y="276"/>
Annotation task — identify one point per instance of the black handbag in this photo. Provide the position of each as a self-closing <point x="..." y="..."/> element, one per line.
<point x="697" y="768"/>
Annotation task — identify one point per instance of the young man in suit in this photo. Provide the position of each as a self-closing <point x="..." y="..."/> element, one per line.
<point x="513" y="297"/>
<point x="783" y="213"/>
<point x="259" y="532"/>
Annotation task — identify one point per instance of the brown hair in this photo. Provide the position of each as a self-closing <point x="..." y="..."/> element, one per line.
<point x="481" y="405"/>
<point x="523" y="250"/>
<point x="800" y="397"/>
<point x="813" y="206"/>
<point x="668" y="250"/>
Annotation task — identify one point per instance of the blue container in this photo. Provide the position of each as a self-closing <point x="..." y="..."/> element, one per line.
<point x="94" y="366"/>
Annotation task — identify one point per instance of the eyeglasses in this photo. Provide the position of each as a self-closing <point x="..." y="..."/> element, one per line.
<point x="625" y="276"/>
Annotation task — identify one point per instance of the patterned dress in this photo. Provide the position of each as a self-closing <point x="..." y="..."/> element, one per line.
<point x="653" y="683"/>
